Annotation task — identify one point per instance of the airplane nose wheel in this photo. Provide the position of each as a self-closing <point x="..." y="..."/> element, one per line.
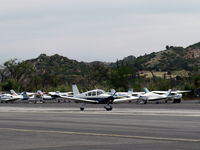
<point x="108" y="107"/>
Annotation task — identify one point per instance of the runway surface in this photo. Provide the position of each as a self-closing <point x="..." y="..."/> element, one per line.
<point x="128" y="126"/>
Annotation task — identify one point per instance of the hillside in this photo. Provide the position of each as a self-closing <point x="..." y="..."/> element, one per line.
<point x="57" y="72"/>
<point x="171" y="59"/>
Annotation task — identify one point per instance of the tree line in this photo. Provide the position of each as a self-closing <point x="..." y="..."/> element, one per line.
<point x="24" y="76"/>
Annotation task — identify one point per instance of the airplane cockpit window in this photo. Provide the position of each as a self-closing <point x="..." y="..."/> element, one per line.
<point x="94" y="93"/>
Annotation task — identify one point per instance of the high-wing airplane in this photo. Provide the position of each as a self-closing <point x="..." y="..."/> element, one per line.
<point x="13" y="96"/>
<point x="176" y="96"/>
<point x="151" y="96"/>
<point x="96" y="96"/>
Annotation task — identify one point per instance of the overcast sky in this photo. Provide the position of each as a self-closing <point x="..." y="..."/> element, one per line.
<point x="89" y="30"/>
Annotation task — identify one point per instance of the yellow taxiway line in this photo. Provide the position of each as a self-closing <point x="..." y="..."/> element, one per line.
<point x="101" y="134"/>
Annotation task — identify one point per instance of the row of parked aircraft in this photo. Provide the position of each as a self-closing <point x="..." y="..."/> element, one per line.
<point x="97" y="96"/>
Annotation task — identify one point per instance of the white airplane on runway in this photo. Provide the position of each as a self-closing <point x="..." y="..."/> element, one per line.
<point x="176" y="96"/>
<point x="59" y="94"/>
<point x="129" y="96"/>
<point x="13" y="96"/>
<point x="40" y="94"/>
<point x="38" y="97"/>
<point x="151" y="96"/>
<point x="97" y="96"/>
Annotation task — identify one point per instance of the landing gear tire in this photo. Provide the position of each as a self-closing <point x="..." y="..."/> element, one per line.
<point x="177" y="101"/>
<point x="82" y="108"/>
<point x="108" y="107"/>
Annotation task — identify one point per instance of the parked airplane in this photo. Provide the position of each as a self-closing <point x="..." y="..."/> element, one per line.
<point x="129" y="96"/>
<point x="151" y="96"/>
<point x="58" y="94"/>
<point x="43" y="96"/>
<point x="13" y="96"/>
<point x="176" y="96"/>
<point x="97" y="96"/>
<point x="38" y="97"/>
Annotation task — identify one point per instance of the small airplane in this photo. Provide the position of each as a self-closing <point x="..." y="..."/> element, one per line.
<point x="151" y="96"/>
<point x="40" y="94"/>
<point x="96" y="96"/>
<point x="38" y="97"/>
<point x="13" y="96"/>
<point x="59" y="94"/>
<point x="176" y="96"/>
<point x="129" y="96"/>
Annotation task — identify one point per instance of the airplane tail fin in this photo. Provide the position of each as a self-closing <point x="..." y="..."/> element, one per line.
<point x="75" y="90"/>
<point x="13" y="92"/>
<point x="146" y="90"/>
<point x="168" y="93"/>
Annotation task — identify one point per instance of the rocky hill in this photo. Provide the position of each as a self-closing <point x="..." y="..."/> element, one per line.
<point x="171" y="59"/>
<point x="57" y="72"/>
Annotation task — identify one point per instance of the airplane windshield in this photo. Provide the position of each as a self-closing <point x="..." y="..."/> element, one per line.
<point x="99" y="92"/>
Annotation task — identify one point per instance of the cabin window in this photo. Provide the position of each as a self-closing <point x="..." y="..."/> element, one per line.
<point x="94" y="93"/>
<point x="90" y="94"/>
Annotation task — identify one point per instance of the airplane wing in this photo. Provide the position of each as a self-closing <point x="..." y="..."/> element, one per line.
<point x="82" y="100"/>
<point x="160" y="92"/>
<point x="183" y="91"/>
<point x="164" y="92"/>
<point x="125" y="99"/>
<point x="9" y="99"/>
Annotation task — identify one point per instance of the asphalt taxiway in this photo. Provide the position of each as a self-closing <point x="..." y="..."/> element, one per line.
<point x="128" y="126"/>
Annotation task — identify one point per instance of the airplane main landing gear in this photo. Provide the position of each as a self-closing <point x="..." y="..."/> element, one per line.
<point x="82" y="107"/>
<point x="108" y="107"/>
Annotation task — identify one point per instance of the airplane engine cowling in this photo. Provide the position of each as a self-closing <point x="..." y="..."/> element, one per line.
<point x="110" y="99"/>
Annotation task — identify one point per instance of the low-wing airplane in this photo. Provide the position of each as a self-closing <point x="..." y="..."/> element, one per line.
<point x="59" y="94"/>
<point x="176" y="96"/>
<point x="13" y="96"/>
<point x="38" y="97"/>
<point x="97" y="96"/>
<point x="125" y="96"/>
<point x="151" y="96"/>
<point x="43" y="96"/>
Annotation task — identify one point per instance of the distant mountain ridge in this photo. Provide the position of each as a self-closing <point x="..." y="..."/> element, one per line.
<point x="57" y="72"/>
<point x="173" y="58"/>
